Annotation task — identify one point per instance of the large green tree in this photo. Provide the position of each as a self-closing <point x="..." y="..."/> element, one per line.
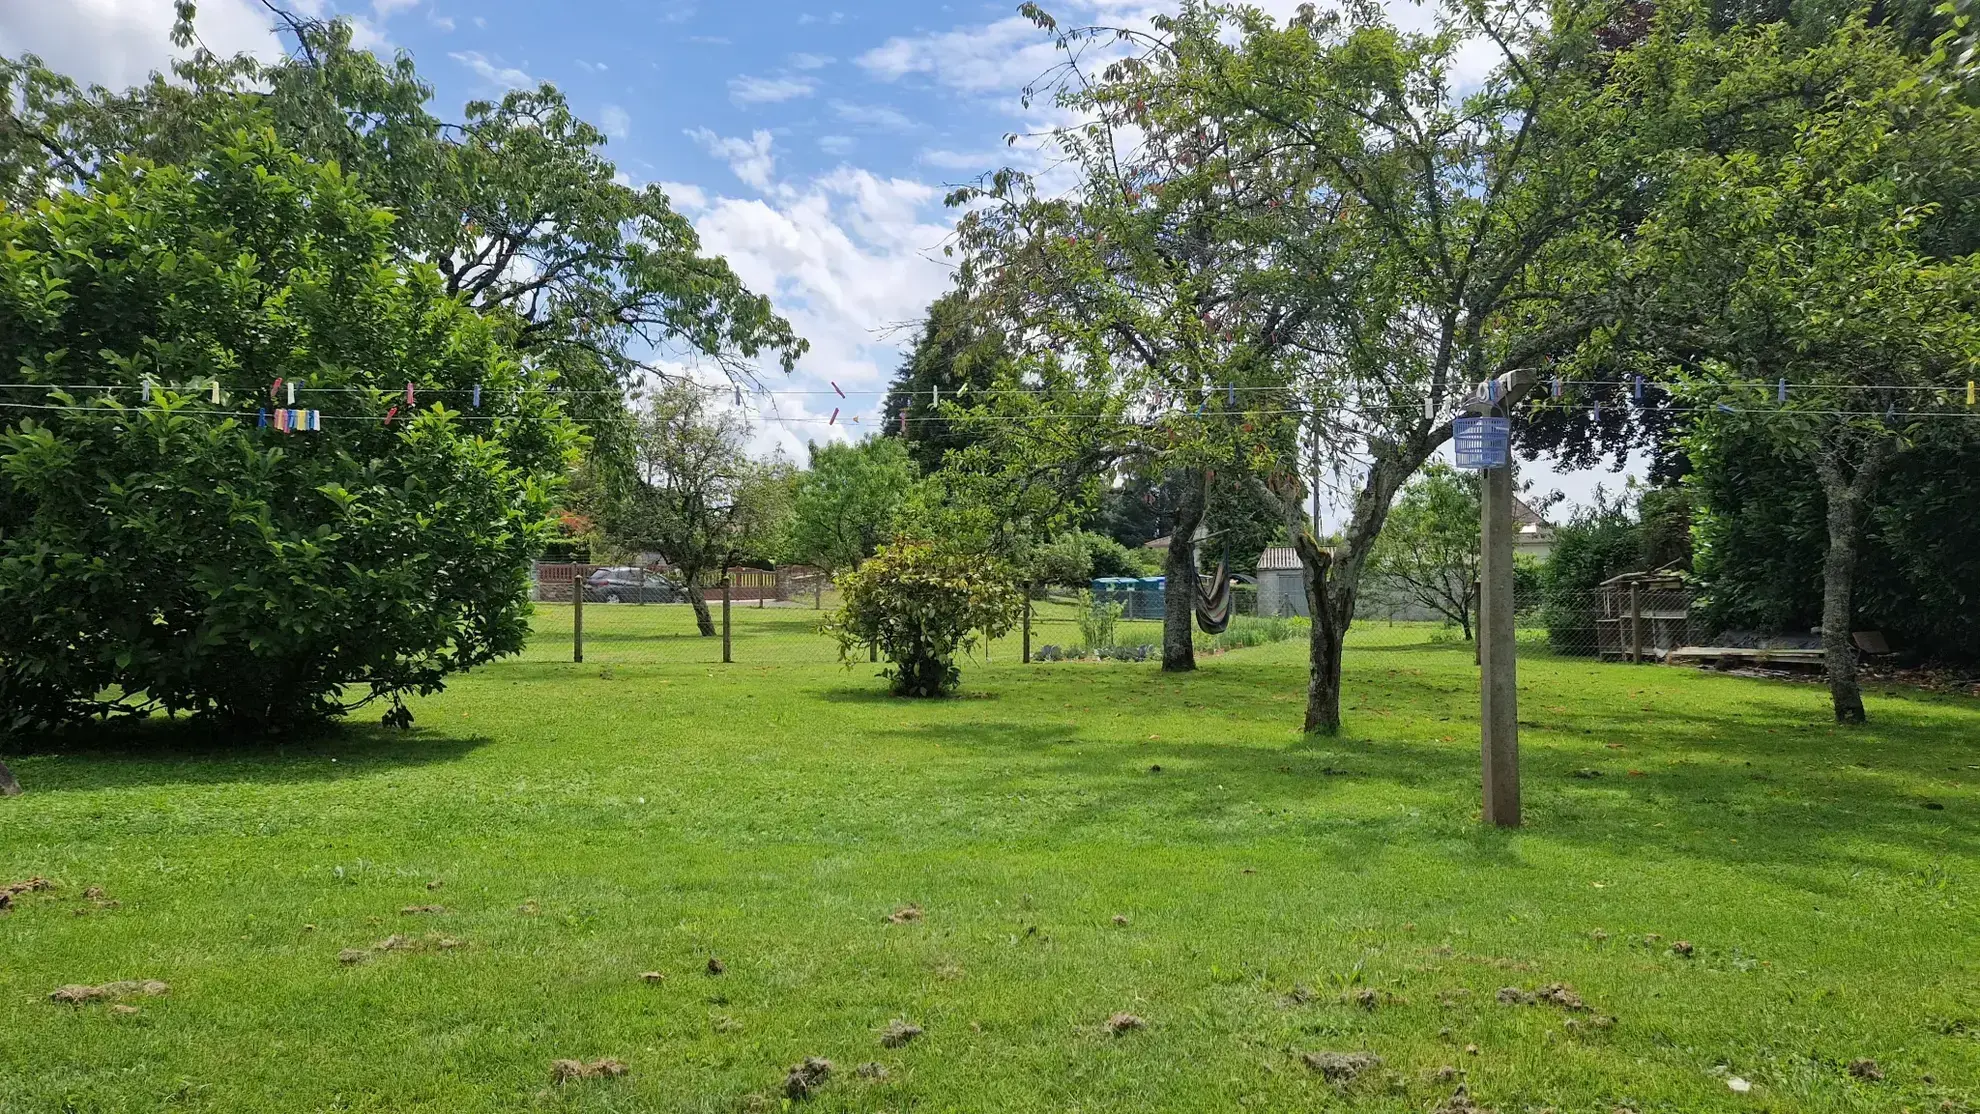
<point x="1311" y="225"/>
<point x="516" y="205"/>
<point x="1811" y="276"/>
<point x="695" y="495"/>
<point x="849" y="501"/>
<point x="160" y="550"/>
<point x="959" y="349"/>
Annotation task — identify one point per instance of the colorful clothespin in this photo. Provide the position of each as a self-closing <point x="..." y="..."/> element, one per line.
<point x="477" y="396"/>
<point x="261" y="418"/>
<point x="1969" y="392"/>
<point x="903" y="423"/>
<point x="292" y="392"/>
<point x="1231" y="398"/>
<point x="390" y="414"/>
<point x="1780" y="391"/>
<point x="739" y="397"/>
<point x="216" y="392"/>
<point x="961" y="391"/>
<point x="835" y="387"/>
<point x="935" y="395"/>
<point x="834" y="419"/>
<point x="409" y="396"/>
<point x="1595" y="412"/>
<point x="1429" y="409"/>
<point x="1723" y="408"/>
<point x="1638" y="390"/>
<point x="147" y="388"/>
<point x="1557" y="386"/>
<point x="275" y="390"/>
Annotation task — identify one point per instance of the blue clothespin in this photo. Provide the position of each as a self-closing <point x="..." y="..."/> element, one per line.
<point x="1231" y="399"/>
<point x="1595" y="412"/>
<point x="477" y="396"/>
<point x="262" y="415"/>
<point x="1639" y="388"/>
<point x="1780" y="394"/>
<point x="1723" y="408"/>
<point x="1557" y="386"/>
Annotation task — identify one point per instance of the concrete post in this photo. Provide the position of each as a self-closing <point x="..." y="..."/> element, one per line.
<point x="726" y="659"/>
<point x="577" y="619"/>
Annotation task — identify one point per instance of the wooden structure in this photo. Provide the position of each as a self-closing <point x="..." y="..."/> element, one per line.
<point x="1642" y="616"/>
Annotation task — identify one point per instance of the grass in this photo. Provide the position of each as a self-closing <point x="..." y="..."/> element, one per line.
<point x="589" y="823"/>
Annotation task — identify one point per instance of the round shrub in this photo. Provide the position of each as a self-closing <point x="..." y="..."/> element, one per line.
<point x="919" y="605"/>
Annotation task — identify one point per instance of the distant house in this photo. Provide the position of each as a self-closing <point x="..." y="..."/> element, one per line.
<point x="1534" y="535"/>
<point x="1159" y="545"/>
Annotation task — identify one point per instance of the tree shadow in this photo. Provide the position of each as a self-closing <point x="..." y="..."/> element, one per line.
<point x="161" y="752"/>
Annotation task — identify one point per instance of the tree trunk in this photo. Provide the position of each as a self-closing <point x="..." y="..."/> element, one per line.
<point x="703" y="621"/>
<point x="1179" y="588"/>
<point x="1323" y="673"/>
<point x="1848" y="500"/>
<point x="8" y="786"/>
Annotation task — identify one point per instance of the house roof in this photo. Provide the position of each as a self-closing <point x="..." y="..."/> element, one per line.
<point x="1524" y="515"/>
<point x="1278" y="558"/>
<point x="1158" y="543"/>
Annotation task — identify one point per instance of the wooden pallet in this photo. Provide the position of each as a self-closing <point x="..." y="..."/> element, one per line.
<point x="1743" y="655"/>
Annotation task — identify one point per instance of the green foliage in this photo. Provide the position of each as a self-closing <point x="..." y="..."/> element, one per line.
<point x="614" y="276"/>
<point x="920" y="604"/>
<point x="1428" y="551"/>
<point x="1066" y="561"/>
<point x="1637" y="531"/>
<point x="694" y="495"/>
<point x="1097" y="620"/>
<point x="958" y="350"/>
<point x="171" y="554"/>
<point x="1250" y="630"/>
<point x="1111" y="558"/>
<point x="849" y="501"/>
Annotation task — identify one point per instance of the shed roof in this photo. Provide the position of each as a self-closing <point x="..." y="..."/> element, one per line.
<point x="1278" y="558"/>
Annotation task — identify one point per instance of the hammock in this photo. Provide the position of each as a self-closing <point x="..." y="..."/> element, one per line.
<point x="1213" y="608"/>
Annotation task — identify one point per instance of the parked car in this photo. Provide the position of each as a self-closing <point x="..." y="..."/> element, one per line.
<point x="630" y="585"/>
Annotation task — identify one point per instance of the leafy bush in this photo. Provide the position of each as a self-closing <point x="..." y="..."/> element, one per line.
<point x="1249" y="630"/>
<point x="1111" y="558"/>
<point x="1065" y="561"/>
<point x="1050" y="652"/>
<point x="1097" y="620"/>
<point x="174" y="554"/>
<point x="1138" y="652"/>
<point x="919" y="605"/>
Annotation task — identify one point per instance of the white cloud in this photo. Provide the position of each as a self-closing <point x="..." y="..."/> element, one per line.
<point x="491" y="71"/>
<point x="750" y="158"/>
<point x="386" y="9"/>
<point x="745" y="89"/>
<point x="686" y="196"/>
<point x="836" y="144"/>
<point x="615" y="122"/>
<point x="1001" y="57"/>
<point x="442" y="22"/>
<point x="118" y="42"/>
<point x="807" y="61"/>
<point x="848" y="256"/>
<point x="591" y="67"/>
<point x="877" y="116"/>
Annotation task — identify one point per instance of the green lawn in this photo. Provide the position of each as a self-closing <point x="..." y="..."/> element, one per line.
<point x="585" y="824"/>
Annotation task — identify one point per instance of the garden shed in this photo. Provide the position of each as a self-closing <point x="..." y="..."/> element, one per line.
<point x="1281" y="583"/>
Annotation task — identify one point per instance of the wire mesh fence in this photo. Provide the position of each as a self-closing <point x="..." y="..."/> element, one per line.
<point x="617" y="614"/>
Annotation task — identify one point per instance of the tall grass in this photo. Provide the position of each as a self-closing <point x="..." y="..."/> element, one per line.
<point x="1247" y="630"/>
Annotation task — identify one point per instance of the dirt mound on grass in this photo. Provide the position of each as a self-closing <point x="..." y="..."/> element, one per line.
<point x="77" y="994"/>
<point x="1460" y="1103"/>
<point x="898" y="1033"/>
<point x="567" y="1071"/>
<point x="12" y="890"/>
<point x="1553" y="994"/>
<point x="1340" y="1067"/>
<point x="906" y="914"/>
<point x="1124" y="1023"/>
<point x="807" y="1077"/>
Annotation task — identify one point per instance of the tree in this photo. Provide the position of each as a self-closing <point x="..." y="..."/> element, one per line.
<point x="958" y="350"/>
<point x="1429" y="549"/>
<point x="920" y="603"/>
<point x="849" y="501"/>
<point x="1813" y="256"/>
<point x="592" y="280"/>
<point x="1310" y="226"/>
<point x="163" y="551"/>
<point x="695" y="496"/>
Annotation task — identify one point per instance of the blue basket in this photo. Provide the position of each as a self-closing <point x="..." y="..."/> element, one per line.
<point x="1482" y="442"/>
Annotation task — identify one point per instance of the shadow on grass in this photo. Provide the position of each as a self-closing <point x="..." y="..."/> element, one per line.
<point x="1732" y="776"/>
<point x="160" y="752"/>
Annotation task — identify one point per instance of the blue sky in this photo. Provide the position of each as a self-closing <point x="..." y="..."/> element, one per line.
<point x="811" y="143"/>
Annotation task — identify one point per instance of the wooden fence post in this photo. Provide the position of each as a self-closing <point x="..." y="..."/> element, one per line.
<point x="726" y="659"/>
<point x="1636" y="623"/>
<point x="1027" y="628"/>
<point x="577" y="619"/>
